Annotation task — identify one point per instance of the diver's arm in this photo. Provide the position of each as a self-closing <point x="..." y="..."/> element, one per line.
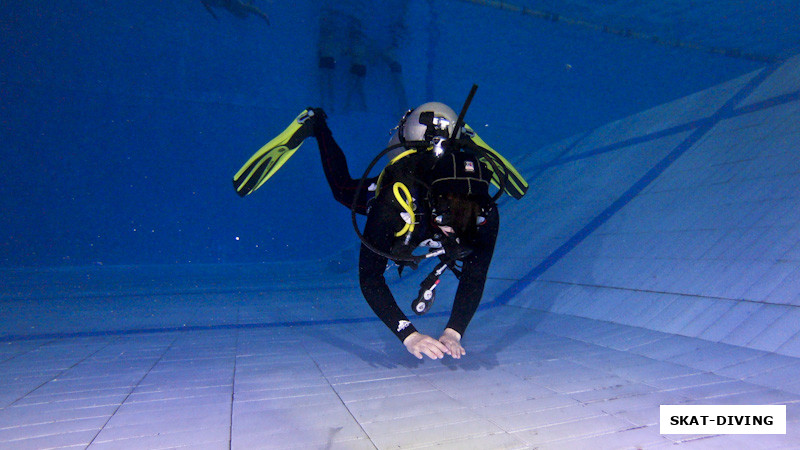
<point x="371" y="266"/>
<point x="473" y="277"/>
<point x="378" y="231"/>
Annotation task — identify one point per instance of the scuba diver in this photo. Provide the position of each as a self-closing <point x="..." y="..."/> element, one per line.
<point x="238" y="8"/>
<point x="433" y="194"/>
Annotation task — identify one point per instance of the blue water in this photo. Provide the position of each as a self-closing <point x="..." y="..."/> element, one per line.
<point x="121" y="123"/>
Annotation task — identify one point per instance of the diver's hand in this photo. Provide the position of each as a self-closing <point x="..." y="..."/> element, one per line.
<point x="452" y="340"/>
<point x="419" y="344"/>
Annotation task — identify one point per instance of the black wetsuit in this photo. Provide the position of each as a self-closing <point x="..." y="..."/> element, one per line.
<point x="384" y="220"/>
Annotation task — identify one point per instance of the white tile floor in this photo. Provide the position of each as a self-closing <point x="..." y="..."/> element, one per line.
<point x="530" y="379"/>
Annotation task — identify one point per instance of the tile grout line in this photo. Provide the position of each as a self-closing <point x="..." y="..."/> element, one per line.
<point x="25" y="352"/>
<point x="677" y="294"/>
<point x="59" y="373"/>
<point x="133" y="388"/>
<point x="233" y="381"/>
<point x="341" y="400"/>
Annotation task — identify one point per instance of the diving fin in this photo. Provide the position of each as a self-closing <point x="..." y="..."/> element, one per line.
<point x="269" y="158"/>
<point x="515" y="186"/>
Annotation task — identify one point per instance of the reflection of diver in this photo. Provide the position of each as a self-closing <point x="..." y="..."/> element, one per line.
<point x="238" y="8"/>
<point x="340" y="35"/>
<point x="343" y="35"/>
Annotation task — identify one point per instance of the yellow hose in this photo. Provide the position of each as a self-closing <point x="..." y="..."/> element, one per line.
<point x="404" y="198"/>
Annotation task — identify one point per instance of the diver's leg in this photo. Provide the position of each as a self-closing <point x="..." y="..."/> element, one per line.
<point x="358" y="67"/>
<point x="396" y="77"/>
<point x="397" y="34"/>
<point x="355" y="97"/>
<point x="326" y="48"/>
<point x="397" y="31"/>
<point x="327" y="66"/>
<point x="334" y="164"/>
